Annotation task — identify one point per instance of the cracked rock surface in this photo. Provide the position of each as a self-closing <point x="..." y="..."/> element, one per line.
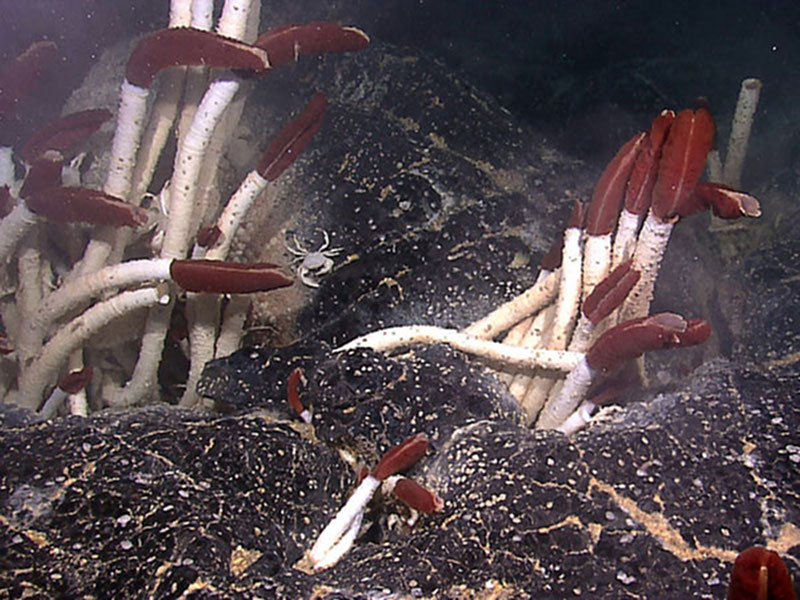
<point x="654" y="502"/>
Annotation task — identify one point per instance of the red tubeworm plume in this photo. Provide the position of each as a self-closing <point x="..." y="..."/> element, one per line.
<point x="683" y="159"/>
<point x="76" y="380"/>
<point x="401" y="456"/>
<point x="184" y="46"/>
<point x="293" y="390"/>
<point x="724" y="201"/>
<point x="610" y="189"/>
<point x="760" y="574"/>
<point x="609" y="293"/>
<point x="219" y="277"/>
<point x="417" y="497"/>
<point x="643" y="175"/>
<point x="44" y="174"/>
<point x="208" y="236"/>
<point x="292" y="139"/>
<point x="82" y="205"/>
<point x="62" y="133"/>
<point x="19" y="76"/>
<point x="633" y="338"/>
<point x="286" y="43"/>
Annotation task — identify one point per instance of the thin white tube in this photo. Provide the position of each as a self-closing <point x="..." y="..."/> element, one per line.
<point x="557" y="409"/>
<point x="55" y="353"/>
<point x="397" y="337"/>
<point x="343" y="519"/>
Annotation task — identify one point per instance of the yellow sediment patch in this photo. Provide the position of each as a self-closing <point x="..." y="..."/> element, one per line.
<point x="660" y="528"/>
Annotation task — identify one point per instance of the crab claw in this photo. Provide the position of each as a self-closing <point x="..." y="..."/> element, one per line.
<point x="306" y="277"/>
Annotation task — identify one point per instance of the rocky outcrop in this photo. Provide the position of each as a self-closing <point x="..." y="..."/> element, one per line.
<point x="443" y="204"/>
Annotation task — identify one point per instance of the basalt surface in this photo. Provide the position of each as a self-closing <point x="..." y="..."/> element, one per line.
<point x="443" y="205"/>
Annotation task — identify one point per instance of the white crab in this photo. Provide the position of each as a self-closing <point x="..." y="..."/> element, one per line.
<point x="313" y="264"/>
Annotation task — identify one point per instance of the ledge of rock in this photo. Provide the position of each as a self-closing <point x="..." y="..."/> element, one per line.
<point x="654" y="502"/>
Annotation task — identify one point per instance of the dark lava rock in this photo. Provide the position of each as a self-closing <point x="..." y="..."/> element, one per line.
<point x="773" y="321"/>
<point x="363" y="401"/>
<point x="441" y="202"/>
<point x="651" y="505"/>
<point x="146" y="504"/>
<point x="653" y="502"/>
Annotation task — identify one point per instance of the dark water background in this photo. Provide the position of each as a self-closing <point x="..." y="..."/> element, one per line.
<point x="587" y="72"/>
